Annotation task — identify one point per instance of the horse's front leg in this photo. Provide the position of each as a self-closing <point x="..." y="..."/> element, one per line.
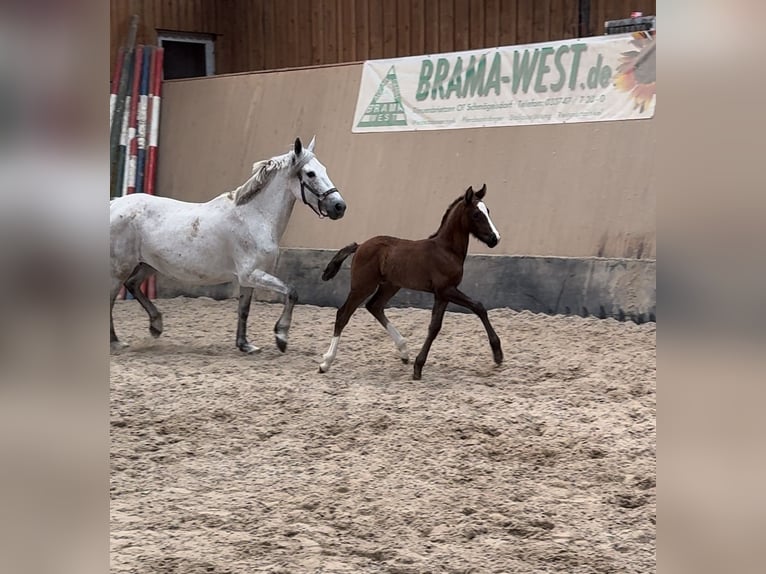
<point x="265" y="280"/>
<point x="245" y="298"/>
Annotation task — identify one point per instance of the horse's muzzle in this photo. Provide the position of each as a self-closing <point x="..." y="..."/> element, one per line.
<point x="493" y="241"/>
<point x="335" y="207"/>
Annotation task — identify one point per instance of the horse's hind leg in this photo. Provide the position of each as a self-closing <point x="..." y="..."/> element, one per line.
<point x="245" y="298"/>
<point x="355" y="297"/>
<point x="133" y="285"/>
<point x="114" y="342"/>
<point x="437" y="315"/>
<point x="376" y="304"/>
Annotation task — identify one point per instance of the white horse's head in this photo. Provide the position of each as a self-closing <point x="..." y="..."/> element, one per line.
<point x="315" y="189"/>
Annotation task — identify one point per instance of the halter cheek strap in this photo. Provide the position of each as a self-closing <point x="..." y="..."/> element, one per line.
<point x="320" y="195"/>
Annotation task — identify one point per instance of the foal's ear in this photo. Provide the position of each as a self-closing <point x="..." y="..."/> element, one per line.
<point x="298" y="147"/>
<point x="469" y="195"/>
<point x="482" y="192"/>
<point x="311" y="144"/>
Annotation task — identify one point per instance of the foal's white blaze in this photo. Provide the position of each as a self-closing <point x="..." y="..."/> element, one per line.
<point x="483" y="209"/>
<point x="329" y="356"/>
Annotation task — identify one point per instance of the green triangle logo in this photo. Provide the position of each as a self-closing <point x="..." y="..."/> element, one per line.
<point x="386" y="108"/>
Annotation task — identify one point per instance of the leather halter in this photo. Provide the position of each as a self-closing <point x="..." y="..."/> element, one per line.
<point x="306" y="157"/>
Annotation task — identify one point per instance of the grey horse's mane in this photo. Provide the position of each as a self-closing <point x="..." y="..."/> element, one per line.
<point x="263" y="173"/>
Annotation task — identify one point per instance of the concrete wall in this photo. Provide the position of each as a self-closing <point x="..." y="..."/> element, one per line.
<point x="573" y="203"/>
<point x="623" y="289"/>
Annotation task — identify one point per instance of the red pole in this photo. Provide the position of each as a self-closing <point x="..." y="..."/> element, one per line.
<point x="133" y="123"/>
<point x="154" y="127"/>
<point x="129" y="185"/>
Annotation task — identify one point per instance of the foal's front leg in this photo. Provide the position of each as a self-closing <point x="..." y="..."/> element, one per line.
<point x="265" y="280"/>
<point x="437" y="315"/>
<point x="458" y="297"/>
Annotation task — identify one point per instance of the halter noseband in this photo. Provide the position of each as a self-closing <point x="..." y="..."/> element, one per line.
<point x="320" y="195"/>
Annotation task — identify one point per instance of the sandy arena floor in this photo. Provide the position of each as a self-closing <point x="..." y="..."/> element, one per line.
<point x="227" y="463"/>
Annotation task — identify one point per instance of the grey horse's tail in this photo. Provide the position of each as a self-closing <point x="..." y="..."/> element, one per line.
<point x="334" y="265"/>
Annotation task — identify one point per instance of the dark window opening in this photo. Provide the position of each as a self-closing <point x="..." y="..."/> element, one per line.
<point x="183" y="59"/>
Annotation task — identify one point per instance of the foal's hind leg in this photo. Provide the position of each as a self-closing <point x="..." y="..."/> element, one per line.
<point x="133" y="284"/>
<point x="245" y="298"/>
<point x="376" y="304"/>
<point x="355" y="297"/>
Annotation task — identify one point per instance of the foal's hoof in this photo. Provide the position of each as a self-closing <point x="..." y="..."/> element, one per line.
<point x="324" y="368"/>
<point x="281" y="343"/>
<point x="405" y="360"/>
<point x="417" y="375"/>
<point x="115" y="346"/>
<point x="498" y="355"/>
<point x="249" y="349"/>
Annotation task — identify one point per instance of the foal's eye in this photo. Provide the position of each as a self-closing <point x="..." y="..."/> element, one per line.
<point x="311" y="174"/>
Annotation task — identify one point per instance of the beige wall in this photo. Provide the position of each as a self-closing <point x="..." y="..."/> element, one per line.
<point x="563" y="190"/>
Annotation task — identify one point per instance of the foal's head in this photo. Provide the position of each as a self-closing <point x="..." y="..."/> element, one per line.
<point x="476" y="215"/>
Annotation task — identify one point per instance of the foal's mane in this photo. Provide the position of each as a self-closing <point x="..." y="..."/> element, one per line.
<point x="263" y="172"/>
<point x="445" y="216"/>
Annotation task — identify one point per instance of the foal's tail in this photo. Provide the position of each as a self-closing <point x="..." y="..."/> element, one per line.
<point x="334" y="265"/>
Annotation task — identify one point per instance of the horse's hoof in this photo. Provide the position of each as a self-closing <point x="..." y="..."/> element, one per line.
<point x="405" y="360"/>
<point x="249" y="349"/>
<point x="155" y="326"/>
<point x="324" y="368"/>
<point x="498" y="357"/>
<point x="115" y="346"/>
<point x="416" y="375"/>
<point x="281" y="344"/>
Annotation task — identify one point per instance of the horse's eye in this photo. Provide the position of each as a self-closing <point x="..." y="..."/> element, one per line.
<point x="475" y="215"/>
<point x="311" y="174"/>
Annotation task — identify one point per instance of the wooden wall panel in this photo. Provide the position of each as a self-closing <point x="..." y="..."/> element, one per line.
<point x="362" y="19"/>
<point x="602" y="10"/>
<point x="390" y="46"/>
<point x="195" y="16"/>
<point x="272" y="34"/>
<point x="508" y="22"/>
<point x="417" y="27"/>
<point x="461" y="26"/>
<point x="431" y="26"/>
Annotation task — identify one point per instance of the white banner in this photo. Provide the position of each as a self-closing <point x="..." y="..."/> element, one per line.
<point x="585" y="80"/>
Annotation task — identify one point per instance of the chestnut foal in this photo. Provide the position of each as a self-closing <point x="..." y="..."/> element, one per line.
<point x="434" y="265"/>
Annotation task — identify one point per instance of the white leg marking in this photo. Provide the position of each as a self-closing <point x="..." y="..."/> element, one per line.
<point x="399" y="341"/>
<point x="483" y="209"/>
<point x="329" y="356"/>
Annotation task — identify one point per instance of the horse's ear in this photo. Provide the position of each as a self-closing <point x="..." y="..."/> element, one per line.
<point x="311" y="144"/>
<point x="298" y="147"/>
<point x="469" y="195"/>
<point x="482" y="192"/>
